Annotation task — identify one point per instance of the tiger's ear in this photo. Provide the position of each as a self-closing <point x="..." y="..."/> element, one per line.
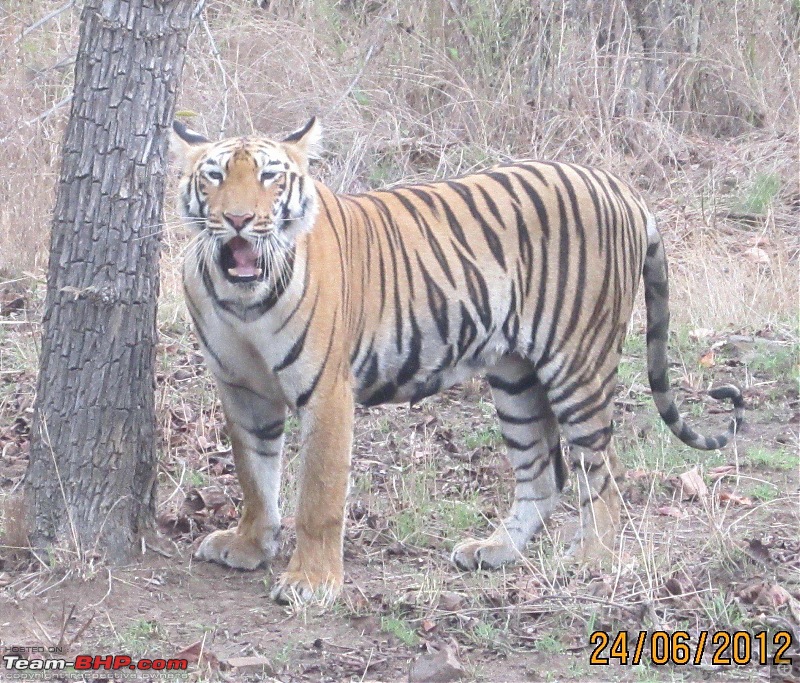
<point x="307" y="139"/>
<point x="187" y="145"/>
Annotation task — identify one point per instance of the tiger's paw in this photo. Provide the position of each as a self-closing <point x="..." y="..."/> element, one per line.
<point x="296" y="587"/>
<point x="236" y="550"/>
<point x="487" y="554"/>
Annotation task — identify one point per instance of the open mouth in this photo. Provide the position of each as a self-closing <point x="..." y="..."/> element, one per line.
<point x="240" y="262"/>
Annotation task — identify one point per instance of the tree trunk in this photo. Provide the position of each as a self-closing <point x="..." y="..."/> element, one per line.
<point x="652" y="20"/>
<point x="90" y="485"/>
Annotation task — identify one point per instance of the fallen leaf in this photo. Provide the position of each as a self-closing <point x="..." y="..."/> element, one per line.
<point x="197" y="654"/>
<point x="450" y="602"/>
<point x="765" y="594"/>
<point x="721" y="471"/>
<point x="735" y="498"/>
<point x="213" y="498"/>
<point x="692" y="484"/>
<point x="671" y="511"/>
<point x="428" y="625"/>
<point x="708" y="360"/>
<point x="757" y="255"/>
<point x="437" y="667"/>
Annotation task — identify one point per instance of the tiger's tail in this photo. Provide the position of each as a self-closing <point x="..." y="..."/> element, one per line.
<point x="656" y="295"/>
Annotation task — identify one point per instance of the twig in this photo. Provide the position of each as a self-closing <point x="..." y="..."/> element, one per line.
<point x="218" y="60"/>
<point x="198" y="8"/>
<point x="52" y="110"/>
<point x="44" y="20"/>
<point x="355" y="80"/>
<point x="64" y="621"/>
<point x="80" y="631"/>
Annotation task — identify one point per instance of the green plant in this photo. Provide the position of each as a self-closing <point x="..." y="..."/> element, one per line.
<point x="760" y="195"/>
<point x="776" y="360"/>
<point x="780" y="459"/>
<point x="723" y="610"/>
<point x="139" y="635"/>
<point x="488" y="436"/>
<point x="195" y="478"/>
<point x="764" y="492"/>
<point x="401" y="630"/>
<point x="458" y="516"/>
<point x="550" y="644"/>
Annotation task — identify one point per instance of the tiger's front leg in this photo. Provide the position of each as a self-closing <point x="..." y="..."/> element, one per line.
<point x="255" y="425"/>
<point x="326" y="424"/>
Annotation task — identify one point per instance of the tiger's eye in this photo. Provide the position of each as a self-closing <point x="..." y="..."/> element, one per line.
<point x="268" y="175"/>
<point x="214" y="175"/>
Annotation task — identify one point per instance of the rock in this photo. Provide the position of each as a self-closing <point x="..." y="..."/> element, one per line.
<point x="437" y="667"/>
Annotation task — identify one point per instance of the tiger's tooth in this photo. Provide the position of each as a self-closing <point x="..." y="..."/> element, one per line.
<point x="235" y="273"/>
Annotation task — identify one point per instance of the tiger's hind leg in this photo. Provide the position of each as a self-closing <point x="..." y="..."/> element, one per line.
<point x="534" y="450"/>
<point x="584" y="414"/>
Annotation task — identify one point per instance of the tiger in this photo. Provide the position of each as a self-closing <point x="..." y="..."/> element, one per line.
<point x="308" y="301"/>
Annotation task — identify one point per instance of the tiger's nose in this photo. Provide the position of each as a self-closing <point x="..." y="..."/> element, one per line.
<point x="239" y="220"/>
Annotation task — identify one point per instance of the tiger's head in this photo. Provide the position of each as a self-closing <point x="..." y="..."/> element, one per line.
<point x="249" y="198"/>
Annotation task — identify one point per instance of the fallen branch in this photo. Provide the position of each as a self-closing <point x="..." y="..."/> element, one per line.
<point x="52" y="109"/>
<point x="44" y="20"/>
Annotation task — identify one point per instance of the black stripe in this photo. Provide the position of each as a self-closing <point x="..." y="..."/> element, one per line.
<point x="467" y="332"/>
<point x="478" y="291"/>
<point x="510" y="326"/>
<point x="430" y="238"/>
<point x="300" y="342"/>
<point x="563" y="278"/>
<point x="495" y="246"/>
<point x="242" y="387"/>
<point x="437" y="301"/>
<point x="519" y="445"/>
<point x="658" y="383"/>
<point x="267" y="454"/>
<point x="512" y="387"/>
<point x="383" y="394"/>
<point x="303" y="398"/>
<point x="455" y="228"/>
<point x="515" y="420"/>
<point x="525" y="248"/>
<point x="542" y="461"/>
<point x="410" y="366"/>
<point x="596" y="441"/>
<point x="194" y="315"/>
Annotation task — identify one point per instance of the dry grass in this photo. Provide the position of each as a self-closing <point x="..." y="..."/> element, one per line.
<point x="427" y="92"/>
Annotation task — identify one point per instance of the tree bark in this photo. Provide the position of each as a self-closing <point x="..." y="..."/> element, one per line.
<point x="90" y="485"/>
